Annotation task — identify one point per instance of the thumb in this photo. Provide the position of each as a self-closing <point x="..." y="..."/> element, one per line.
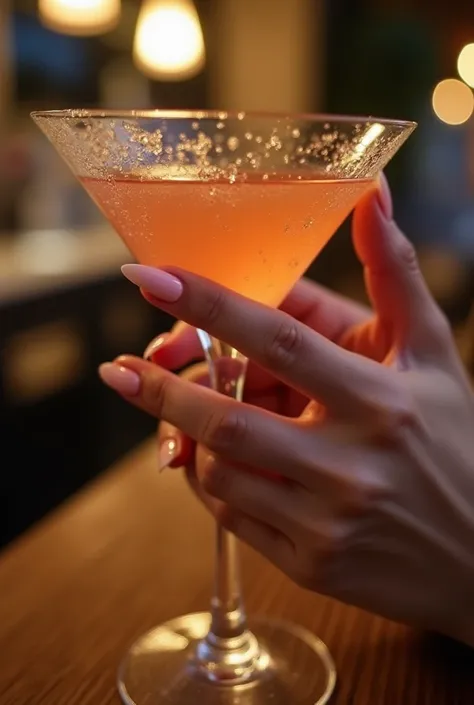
<point x="406" y="310"/>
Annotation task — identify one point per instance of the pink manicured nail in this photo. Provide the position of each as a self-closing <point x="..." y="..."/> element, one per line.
<point x="385" y="197"/>
<point x="161" y="284"/>
<point x="154" y="346"/>
<point x="123" y="380"/>
<point x="168" y="452"/>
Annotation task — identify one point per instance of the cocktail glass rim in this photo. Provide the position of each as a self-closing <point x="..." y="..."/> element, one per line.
<point x="217" y="114"/>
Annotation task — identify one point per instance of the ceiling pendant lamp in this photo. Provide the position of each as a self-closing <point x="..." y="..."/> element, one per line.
<point x="84" y="18"/>
<point x="169" y="43"/>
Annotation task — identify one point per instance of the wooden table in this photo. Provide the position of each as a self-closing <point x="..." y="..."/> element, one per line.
<point x="134" y="549"/>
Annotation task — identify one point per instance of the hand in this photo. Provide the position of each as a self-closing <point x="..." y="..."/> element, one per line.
<point x="376" y="509"/>
<point x="340" y="320"/>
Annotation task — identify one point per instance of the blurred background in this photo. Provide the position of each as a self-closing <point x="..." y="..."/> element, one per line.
<point x="64" y="307"/>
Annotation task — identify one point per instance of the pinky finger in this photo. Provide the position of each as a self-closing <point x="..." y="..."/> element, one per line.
<point x="266" y="540"/>
<point x="269" y="542"/>
<point x="211" y="503"/>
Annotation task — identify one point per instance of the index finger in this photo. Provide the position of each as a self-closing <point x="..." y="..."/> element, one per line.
<point x="295" y="354"/>
<point x="320" y="309"/>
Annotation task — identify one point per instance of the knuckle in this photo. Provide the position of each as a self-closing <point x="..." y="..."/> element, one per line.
<point x="284" y="344"/>
<point x="399" y="415"/>
<point x="155" y="394"/>
<point x="401" y="418"/>
<point x="406" y="254"/>
<point x="361" y="497"/>
<point x="225" y="432"/>
<point x="214" y="306"/>
<point x="214" y="479"/>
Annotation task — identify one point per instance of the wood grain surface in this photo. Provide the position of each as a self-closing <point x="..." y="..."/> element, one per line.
<point x="135" y="549"/>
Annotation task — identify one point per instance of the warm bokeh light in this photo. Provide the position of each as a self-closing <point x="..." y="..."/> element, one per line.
<point x="80" y="17"/>
<point x="169" y="44"/>
<point x="453" y="101"/>
<point x="466" y="64"/>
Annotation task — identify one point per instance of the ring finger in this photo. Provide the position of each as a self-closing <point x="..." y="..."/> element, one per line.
<point x="276" y="504"/>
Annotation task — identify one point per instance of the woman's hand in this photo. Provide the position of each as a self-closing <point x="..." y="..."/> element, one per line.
<point x="338" y="319"/>
<point x="377" y="504"/>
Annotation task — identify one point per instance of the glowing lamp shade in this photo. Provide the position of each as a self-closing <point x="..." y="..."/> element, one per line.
<point x="466" y="64"/>
<point x="453" y="102"/>
<point x="169" y="44"/>
<point x="84" y="18"/>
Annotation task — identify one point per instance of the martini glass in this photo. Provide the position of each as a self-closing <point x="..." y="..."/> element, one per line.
<point x="247" y="200"/>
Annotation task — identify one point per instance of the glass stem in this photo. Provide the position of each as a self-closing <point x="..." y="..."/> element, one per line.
<point x="229" y="652"/>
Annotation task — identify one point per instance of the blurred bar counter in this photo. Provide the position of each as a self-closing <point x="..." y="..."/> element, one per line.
<point x="64" y="308"/>
<point x="39" y="263"/>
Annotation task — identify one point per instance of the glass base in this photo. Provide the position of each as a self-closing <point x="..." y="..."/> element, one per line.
<point x="294" y="667"/>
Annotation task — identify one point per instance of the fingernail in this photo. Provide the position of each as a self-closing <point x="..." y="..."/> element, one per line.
<point x="384" y="197"/>
<point x="154" y="346"/>
<point x="167" y="453"/>
<point x="161" y="284"/>
<point x="120" y="378"/>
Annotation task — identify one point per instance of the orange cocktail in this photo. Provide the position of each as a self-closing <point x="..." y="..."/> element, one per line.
<point x="279" y="225"/>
